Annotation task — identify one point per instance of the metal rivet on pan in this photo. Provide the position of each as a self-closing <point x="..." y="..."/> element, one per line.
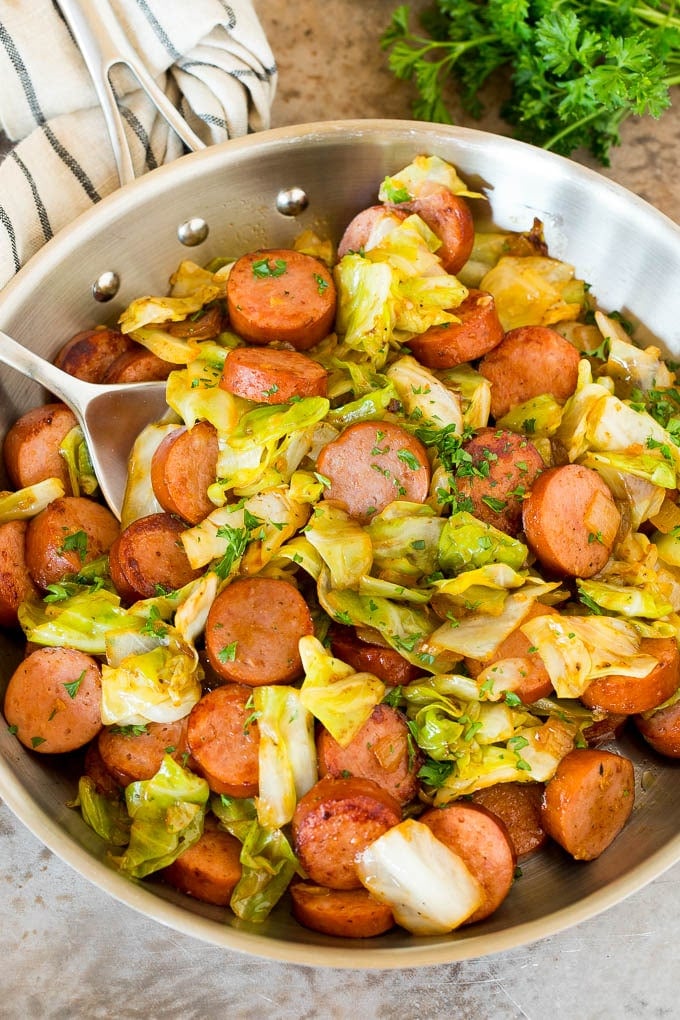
<point x="291" y="201"/>
<point x="106" y="286"/>
<point x="193" y="231"/>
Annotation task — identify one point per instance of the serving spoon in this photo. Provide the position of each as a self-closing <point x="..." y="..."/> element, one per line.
<point x="110" y="416"/>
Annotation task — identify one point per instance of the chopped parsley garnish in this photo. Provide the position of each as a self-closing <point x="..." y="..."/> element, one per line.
<point x="263" y="268"/>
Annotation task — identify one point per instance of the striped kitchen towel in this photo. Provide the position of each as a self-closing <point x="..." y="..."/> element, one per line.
<point x="210" y="57"/>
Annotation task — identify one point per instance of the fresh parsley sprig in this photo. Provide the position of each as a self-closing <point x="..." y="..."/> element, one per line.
<point x="577" y="68"/>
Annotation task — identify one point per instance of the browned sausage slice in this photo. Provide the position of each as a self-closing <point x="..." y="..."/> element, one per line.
<point x="454" y="343"/>
<point x="16" y="582"/>
<point x="335" y="821"/>
<point x="449" y="217"/>
<point x="344" y="913"/>
<point x="138" y="365"/>
<point x="535" y="682"/>
<point x="503" y="468"/>
<point x="88" y="354"/>
<point x="482" y="841"/>
<point x="385" y="663"/>
<point x="53" y="700"/>
<point x="281" y="295"/>
<point x="529" y="361"/>
<point x="270" y="376"/>
<point x="380" y="751"/>
<point x="31" y="447"/>
<point x="182" y="468"/>
<point x="370" y="224"/>
<point x="518" y="805"/>
<point x="149" y="555"/>
<point x="95" y="769"/>
<point x="630" y="694"/>
<point x="373" y="463"/>
<point x="571" y="520"/>
<point x="203" y="327"/>
<point x="253" y="629"/>
<point x="67" y="534"/>
<point x="588" y="801"/>
<point x="131" y="756"/>
<point x="661" y="730"/>
<point x="224" y="740"/>
<point x="209" y="870"/>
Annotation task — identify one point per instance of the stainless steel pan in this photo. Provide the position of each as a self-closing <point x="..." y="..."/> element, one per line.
<point x="263" y="190"/>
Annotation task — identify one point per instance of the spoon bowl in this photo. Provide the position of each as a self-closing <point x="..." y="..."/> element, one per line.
<point x="110" y="416"/>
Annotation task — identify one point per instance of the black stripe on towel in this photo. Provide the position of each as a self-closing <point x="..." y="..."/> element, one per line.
<point x="138" y="128"/>
<point x="7" y="224"/>
<point x="158" y="29"/>
<point x="39" y="205"/>
<point x="246" y="72"/>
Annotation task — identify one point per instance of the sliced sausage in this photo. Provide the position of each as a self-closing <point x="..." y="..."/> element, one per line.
<point x="281" y="295"/>
<point x="88" y="354"/>
<point x="518" y="805"/>
<point x="223" y="739"/>
<point x="270" y="376"/>
<point x="483" y="842"/>
<point x="372" y="464"/>
<point x="603" y="731"/>
<point x="210" y="869"/>
<point x="503" y="467"/>
<point x="335" y="821"/>
<point x="130" y="755"/>
<point x="632" y="694"/>
<point x="588" y="801"/>
<point x="53" y="700"/>
<point x="449" y="217"/>
<point x="454" y="343"/>
<point x="69" y="533"/>
<point x="253" y="630"/>
<point x="385" y="663"/>
<point x="571" y="521"/>
<point x="380" y="751"/>
<point x="529" y="361"/>
<point x="149" y="555"/>
<point x="95" y="769"/>
<point x="368" y="227"/>
<point x="661" y="730"/>
<point x="182" y="468"/>
<point x="138" y="365"/>
<point x="16" y="583"/>
<point x="344" y="913"/>
<point x="202" y="327"/>
<point x="534" y="682"/>
<point x="31" y="447"/>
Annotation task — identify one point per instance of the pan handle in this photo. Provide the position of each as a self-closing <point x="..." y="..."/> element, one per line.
<point x="103" y="44"/>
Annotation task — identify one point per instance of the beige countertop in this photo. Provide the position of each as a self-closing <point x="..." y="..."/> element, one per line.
<point x="70" y="951"/>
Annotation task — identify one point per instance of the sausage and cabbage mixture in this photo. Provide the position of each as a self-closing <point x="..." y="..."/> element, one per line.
<point x="396" y="568"/>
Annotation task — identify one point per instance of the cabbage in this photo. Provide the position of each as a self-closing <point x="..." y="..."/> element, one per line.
<point x="287" y="753"/>
<point x="427" y="886"/>
<point x="366" y="306"/>
<point x="410" y="251"/>
<point x="369" y="407"/>
<point x="159" y="685"/>
<point x="651" y="465"/>
<point x="139" y="499"/>
<point x="466" y="543"/>
<point x="408" y="183"/>
<point x="424" y="301"/>
<point x="627" y="600"/>
<point x="543" y="411"/>
<point x="340" y="698"/>
<point x="644" y="499"/>
<point x="479" y="635"/>
<point x="105" y="816"/>
<point x="634" y="367"/>
<point x="73" y="449"/>
<point x="167" y="813"/>
<point x="29" y="501"/>
<point x="81" y="620"/>
<point x="192" y="280"/>
<point x="267" y="859"/>
<point x="534" y="291"/>
<point x="405" y="539"/>
<point x="474" y="391"/>
<point x="192" y="288"/>
<point x="194" y="393"/>
<point x="344" y="546"/>
<point x="578" y="649"/>
<point x="426" y="400"/>
<point x="310" y="243"/>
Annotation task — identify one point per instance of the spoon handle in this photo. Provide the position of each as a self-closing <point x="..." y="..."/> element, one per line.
<point x="66" y="387"/>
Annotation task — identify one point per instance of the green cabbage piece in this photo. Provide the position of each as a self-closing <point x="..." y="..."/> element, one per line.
<point x="534" y="290"/>
<point x="73" y="449"/>
<point x="466" y="543"/>
<point x="81" y="620"/>
<point x="287" y="753"/>
<point x="29" y="501"/>
<point x="334" y="693"/>
<point x="474" y="392"/>
<point x="195" y="394"/>
<point x="426" y="400"/>
<point x="648" y="602"/>
<point x="370" y="406"/>
<point x="343" y="544"/>
<point x="407" y="183"/>
<point x="366" y="306"/>
<point x="267" y="860"/>
<point x="405" y="539"/>
<point x="139" y="499"/>
<point x="540" y="417"/>
<point x="105" y="816"/>
<point x="167" y="813"/>
<point x="159" y="685"/>
<point x="650" y="464"/>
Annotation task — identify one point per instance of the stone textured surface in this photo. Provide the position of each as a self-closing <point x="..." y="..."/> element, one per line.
<point x="69" y="951"/>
